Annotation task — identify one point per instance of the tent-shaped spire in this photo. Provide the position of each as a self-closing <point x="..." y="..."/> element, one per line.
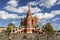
<point x="29" y="12"/>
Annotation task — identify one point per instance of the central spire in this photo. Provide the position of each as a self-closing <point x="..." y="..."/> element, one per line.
<point x="29" y="12"/>
<point x="29" y="17"/>
<point x="28" y="7"/>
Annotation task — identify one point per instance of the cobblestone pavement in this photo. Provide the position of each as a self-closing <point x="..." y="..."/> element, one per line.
<point x="28" y="37"/>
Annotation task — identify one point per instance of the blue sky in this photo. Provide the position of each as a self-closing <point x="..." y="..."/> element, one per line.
<point x="11" y="11"/>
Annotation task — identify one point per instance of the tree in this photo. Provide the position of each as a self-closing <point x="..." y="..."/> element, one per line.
<point x="43" y="28"/>
<point x="10" y="27"/>
<point x="49" y="29"/>
<point x="11" y="24"/>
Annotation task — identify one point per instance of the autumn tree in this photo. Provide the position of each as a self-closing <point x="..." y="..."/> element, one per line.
<point x="49" y="29"/>
<point x="43" y="28"/>
<point x="10" y="27"/>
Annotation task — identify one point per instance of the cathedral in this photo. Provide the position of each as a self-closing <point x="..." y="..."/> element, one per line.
<point x="29" y="24"/>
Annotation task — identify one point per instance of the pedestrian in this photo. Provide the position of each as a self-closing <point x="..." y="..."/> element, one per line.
<point x="10" y="38"/>
<point x="1" y="36"/>
<point x="8" y="34"/>
<point x="47" y="37"/>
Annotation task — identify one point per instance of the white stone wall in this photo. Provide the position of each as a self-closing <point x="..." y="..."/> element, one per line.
<point x="2" y="29"/>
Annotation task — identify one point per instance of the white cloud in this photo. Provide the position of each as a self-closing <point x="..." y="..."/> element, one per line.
<point x="58" y="2"/>
<point x="5" y="15"/>
<point x="55" y="19"/>
<point x="48" y="3"/>
<point x="32" y="3"/>
<point x="43" y="23"/>
<point x="23" y="16"/>
<point x="18" y="10"/>
<point x="56" y="12"/>
<point x="56" y="26"/>
<point x="35" y="10"/>
<point x="13" y="3"/>
<point x="45" y="3"/>
<point x="14" y="22"/>
<point x="43" y="16"/>
<point x="22" y="9"/>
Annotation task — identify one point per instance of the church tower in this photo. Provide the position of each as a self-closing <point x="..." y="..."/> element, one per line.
<point x="29" y="17"/>
<point x="29" y="24"/>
